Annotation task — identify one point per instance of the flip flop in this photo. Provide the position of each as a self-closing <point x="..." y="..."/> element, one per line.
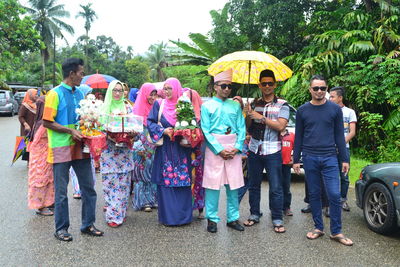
<point x="341" y="239"/>
<point x="278" y="227"/>
<point x="250" y="222"/>
<point x="316" y="234"/>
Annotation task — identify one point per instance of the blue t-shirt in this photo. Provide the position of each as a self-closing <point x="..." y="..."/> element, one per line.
<point x="319" y="131"/>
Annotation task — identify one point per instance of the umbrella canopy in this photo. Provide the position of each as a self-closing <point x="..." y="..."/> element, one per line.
<point x="244" y="62"/>
<point x="97" y="81"/>
<point x="20" y="145"/>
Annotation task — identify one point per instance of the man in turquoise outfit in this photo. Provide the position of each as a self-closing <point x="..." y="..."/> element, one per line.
<point x="224" y="128"/>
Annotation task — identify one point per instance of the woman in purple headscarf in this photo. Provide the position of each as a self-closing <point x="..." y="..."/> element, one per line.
<point x="172" y="162"/>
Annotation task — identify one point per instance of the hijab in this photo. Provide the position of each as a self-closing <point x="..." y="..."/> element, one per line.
<point x="169" y="110"/>
<point x="133" y="94"/>
<point x="110" y="104"/>
<point x="28" y="101"/>
<point x="195" y="98"/>
<point x="142" y="106"/>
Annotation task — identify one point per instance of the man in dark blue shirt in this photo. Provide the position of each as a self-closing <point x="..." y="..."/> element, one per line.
<point x="320" y="140"/>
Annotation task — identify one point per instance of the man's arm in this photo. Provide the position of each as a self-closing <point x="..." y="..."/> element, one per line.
<point x="205" y="125"/>
<point x="352" y="132"/>
<point x="52" y="125"/>
<point x="278" y="125"/>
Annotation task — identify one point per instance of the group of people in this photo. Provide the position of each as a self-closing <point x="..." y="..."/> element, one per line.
<point x="161" y="172"/>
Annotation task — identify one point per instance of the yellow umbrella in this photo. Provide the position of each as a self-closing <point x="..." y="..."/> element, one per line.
<point x="244" y="62"/>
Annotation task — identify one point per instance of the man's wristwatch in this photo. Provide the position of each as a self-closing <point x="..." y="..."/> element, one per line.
<point x="264" y="120"/>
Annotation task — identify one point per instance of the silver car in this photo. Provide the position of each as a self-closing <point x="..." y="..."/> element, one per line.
<point x="8" y="104"/>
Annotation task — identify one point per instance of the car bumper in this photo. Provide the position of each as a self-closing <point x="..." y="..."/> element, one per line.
<point x="360" y="189"/>
<point x="6" y="109"/>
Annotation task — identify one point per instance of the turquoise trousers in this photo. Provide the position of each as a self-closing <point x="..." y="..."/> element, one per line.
<point x="232" y="204"/>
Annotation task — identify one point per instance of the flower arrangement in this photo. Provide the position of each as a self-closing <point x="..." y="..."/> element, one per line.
<point x="89" y="126"/>
<point x="89" y="113"/>
<point x="186" y="125"/>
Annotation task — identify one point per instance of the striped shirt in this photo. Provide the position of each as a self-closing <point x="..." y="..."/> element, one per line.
<point x="60" y="105"/>
<point x="264" y="140"/>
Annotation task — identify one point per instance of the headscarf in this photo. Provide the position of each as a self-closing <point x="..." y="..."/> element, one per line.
<point x="28" y="101"/>
<point x="85" y="89"/>
<point x="111" y="105"/>
<point x="142" y="106"/>
<point x="195" y="98"/>
<point x="169" y="111"/>
<point x="160" y="93"/>
<point x="133" y="94"/>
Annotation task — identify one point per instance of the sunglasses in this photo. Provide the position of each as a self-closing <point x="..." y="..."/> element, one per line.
<point x="264" y="84"/>
<point x="224" y="86"/>
<point x="322" y="88"/>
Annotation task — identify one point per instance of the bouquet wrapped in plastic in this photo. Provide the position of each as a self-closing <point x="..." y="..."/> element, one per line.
<point x="120" y="127"/>
<point x="186" y="126"/>
<point x="89" y="126"/>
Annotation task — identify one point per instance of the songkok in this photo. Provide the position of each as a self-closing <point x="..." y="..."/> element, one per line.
<point x="223" y="76"/>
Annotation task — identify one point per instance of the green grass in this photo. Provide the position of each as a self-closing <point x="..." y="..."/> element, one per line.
<point x="356" y="165"/>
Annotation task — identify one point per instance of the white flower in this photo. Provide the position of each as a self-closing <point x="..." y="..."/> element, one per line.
<point x="193" y="122"/>
<point x="184" y="98"/>
<point x="177" y="124"/>
<point x="91" y="97"/>
<point x="184" y="124"/>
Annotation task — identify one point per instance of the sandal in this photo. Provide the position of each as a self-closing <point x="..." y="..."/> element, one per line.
<point x="316" y="234"/>
<point x="147" y="209"/>
<point x="63" y="235"/>
<point x="278" y="229"/>
<point x="341" y="239"/>
<point x="45" y="212"/>
<point x="93" y="231"/>
<point x="76" y="196"/>
<point x="252" y="220"/>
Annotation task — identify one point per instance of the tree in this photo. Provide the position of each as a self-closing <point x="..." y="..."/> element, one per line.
<point x="47" y="16"/>
<point x="89" y="15"/>
<point x="201" y="52"/>
<point x="138" y="71"/>
<point x="17" y="35"/>
<point x="157" y="59"/>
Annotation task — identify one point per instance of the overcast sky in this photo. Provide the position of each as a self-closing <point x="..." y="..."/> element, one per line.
<point x="140" y="23"/>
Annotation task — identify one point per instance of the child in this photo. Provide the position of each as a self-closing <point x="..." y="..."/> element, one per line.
<point x="287" y="162"/>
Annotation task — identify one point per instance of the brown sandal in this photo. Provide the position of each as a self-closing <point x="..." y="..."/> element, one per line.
<point x="341" y="239"/>
<point x="316" y="233"/>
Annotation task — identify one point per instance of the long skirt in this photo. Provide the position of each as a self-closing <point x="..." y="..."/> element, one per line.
<point x="174" y="205"/>
<point x="116" y="189"/>
<point x="198" y="191"/>
<point x="144" y="191"/>
<point x="40" y="175"/>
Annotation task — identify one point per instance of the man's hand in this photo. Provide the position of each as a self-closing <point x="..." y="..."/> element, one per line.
<point x="169" y="132"/>
<point x="76" y="135"/>
<point x="296" y="168"/>
<point x="345" y="167"/>
<point x="225" y="154"/>
<point x="233" y="152"/>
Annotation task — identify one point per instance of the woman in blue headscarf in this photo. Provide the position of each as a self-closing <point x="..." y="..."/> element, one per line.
<point x="133" y="94"/>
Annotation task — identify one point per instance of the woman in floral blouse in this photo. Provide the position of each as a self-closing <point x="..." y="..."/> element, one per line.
<point x="172" y="162"/>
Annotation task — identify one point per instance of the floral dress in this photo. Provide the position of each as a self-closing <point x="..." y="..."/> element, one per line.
<point x="144" y="191"/>
<point x="116" y="166"/>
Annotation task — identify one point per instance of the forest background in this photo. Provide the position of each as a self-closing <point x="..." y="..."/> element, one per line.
<point x="355" y="44"/>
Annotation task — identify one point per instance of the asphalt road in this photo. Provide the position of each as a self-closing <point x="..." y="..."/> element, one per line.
<point x="27" y="239"/>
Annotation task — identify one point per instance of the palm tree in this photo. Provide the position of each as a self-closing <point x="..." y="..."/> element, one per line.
<point x="47" y="15"/>
<point x="89" y="15"/>
<point x="157" y="59"/>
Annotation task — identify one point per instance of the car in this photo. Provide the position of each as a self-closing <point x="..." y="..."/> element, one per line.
<point x="8" y="104"/>
<point x="378" y="195"/>
<point x="19" y="96"/>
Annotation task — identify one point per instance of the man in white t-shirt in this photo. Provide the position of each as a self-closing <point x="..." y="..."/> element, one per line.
<point x="349" y="120"/>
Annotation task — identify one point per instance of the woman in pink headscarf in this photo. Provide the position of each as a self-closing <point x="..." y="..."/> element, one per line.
<point x="144" y="191"/>
<point x="172" y="162"/>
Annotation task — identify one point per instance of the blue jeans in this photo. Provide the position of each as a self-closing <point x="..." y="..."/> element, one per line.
<point x="324" y="169"/>
<point x="273" y="164"/>
<point x="344" y="180"/>
<point x="84" y="173"/>
<point x="286" y="178"/>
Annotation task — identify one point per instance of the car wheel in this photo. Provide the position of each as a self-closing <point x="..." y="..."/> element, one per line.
<point x="379" y="210"/>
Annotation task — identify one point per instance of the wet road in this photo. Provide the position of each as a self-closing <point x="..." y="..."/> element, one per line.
<point x="27" y="239"/>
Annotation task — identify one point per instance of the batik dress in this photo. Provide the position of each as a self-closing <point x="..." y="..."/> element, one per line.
<point x="144" y="191"/>
<point x="171" y="173"/>
<point x="116" y="166"/>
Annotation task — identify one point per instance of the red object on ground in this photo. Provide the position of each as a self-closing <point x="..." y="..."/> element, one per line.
<point x="96" y="145"/>
<point x="194" y="136"/>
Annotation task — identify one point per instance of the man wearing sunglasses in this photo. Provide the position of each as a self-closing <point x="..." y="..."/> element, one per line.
<point x="319" y="135"/>
<point x="224" y="129"/>
<point x="266" y="120"/>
